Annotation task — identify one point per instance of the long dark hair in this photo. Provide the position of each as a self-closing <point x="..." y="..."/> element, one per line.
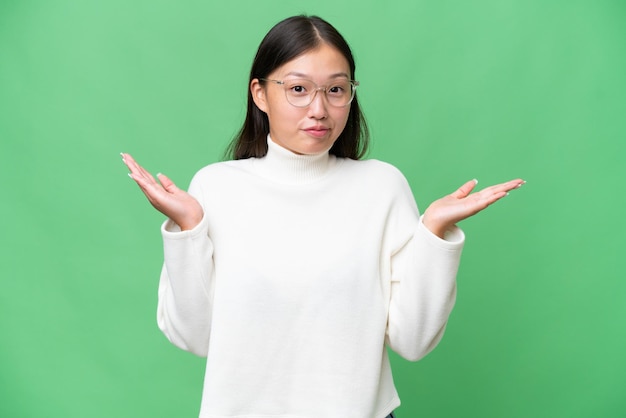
<point x="287" y="40"/>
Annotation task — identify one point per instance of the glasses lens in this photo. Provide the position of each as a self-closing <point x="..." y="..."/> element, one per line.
<point x="340" y="93"/>
<point x="301" y="92"/>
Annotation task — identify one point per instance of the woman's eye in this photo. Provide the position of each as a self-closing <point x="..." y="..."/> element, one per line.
<point x="337" y="90"/>
<point x="298" y="89"/>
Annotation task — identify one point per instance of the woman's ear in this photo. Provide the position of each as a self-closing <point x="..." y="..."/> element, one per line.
<point x="258" y="94"/>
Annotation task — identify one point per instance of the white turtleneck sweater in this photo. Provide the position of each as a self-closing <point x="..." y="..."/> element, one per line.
<point x="301" y="271"/>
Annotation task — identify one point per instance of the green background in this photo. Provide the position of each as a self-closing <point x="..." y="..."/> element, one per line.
<point x="452" y="90"/>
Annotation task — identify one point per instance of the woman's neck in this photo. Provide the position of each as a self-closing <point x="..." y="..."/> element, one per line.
<point x="284" y="166"/>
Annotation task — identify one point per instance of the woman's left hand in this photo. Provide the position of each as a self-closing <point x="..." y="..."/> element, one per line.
<point x="447" y="211"/>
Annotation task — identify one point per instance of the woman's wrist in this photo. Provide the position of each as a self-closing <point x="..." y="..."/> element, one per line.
<point x="436" y="228"/>
<point x="189" y="224"/>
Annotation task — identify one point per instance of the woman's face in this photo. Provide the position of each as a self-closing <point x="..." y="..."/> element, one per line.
<point x="304" y="130"/>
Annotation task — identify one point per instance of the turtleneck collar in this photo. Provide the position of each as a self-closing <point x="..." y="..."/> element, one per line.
<point x="284" y="166"/>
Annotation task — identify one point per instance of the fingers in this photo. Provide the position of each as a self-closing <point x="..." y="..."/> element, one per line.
<point x="129" y="161"/>
<point x="515" y="184"/>
<point x="165" y="197"/>
<point x="137" y="172"/>
<point x="480" y="200"/>
<point x="486" y="198"/>
<point x="142" y="177"/>
<point x="504" y="187"/>
<point x="148" y="184"/>
<point x="467" y="188"/>
<point x="462" y="204"/>
<point x="492" y="194"/>
<point x="135" y="169"/>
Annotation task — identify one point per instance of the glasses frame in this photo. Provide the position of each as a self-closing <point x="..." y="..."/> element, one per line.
<point x="354" y="84"/>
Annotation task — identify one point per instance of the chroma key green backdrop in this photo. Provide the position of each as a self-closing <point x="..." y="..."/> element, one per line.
<point x="453" y="90"/>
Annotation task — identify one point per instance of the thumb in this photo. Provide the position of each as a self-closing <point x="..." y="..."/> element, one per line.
<point x="167" y="184"/>
<point x="465" y="189"/>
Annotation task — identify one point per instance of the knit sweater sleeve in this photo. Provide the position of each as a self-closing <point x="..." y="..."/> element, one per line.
<point x="185" y="292"/>
<point x="423" y="280"/>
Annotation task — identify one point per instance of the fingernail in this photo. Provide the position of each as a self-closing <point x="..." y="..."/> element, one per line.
<point x="130" y="175"/>
<point x="475" y="181"/>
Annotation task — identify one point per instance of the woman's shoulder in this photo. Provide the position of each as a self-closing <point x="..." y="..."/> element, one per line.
<point x="376" y="168"/>
<point x="222" y="172"/>
<point x="378" y="177"/>
<point x="222" y="167"/>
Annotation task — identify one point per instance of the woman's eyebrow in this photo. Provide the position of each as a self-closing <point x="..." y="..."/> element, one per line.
<point x="302" y="75"/>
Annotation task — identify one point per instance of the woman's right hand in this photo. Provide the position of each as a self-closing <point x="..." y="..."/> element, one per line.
<point x="168" y="199"/>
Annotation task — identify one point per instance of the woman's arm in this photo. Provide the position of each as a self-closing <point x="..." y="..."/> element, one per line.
<point x="424" y="268"/>
<point x="186" y="283"/>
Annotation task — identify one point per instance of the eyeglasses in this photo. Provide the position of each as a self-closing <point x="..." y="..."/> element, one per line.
<point x="301" y="92"/>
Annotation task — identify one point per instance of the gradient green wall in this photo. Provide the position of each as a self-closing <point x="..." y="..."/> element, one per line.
<point x="452" y="90"/>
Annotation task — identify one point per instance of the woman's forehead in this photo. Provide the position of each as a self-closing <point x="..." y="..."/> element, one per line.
<point x="323" y="62"/>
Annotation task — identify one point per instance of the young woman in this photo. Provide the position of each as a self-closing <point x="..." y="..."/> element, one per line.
<point x="293" y="265"/>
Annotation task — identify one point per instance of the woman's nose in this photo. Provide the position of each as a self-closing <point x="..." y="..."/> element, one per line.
<point x="317" y="108"/>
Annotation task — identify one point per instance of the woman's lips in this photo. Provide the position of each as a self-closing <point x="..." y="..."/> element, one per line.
<point x="317" y="132"/>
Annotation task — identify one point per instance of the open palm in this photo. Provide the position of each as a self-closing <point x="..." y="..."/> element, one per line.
<point x="453" y="208"/>
<point x="176" y="204"/>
